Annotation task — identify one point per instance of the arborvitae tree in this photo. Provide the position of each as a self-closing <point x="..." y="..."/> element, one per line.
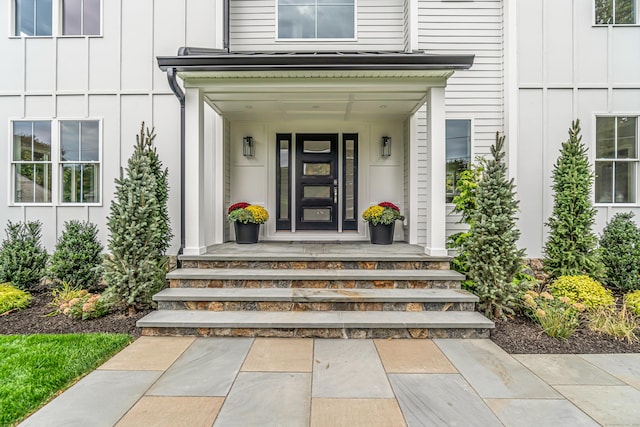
<point x="139" y="227"/>
<point x="571" y="248"/>
<point x="22" y="257"/>
<point x="76" y="259"/>
<point x="620" y="251"/>
<point x="493" y="257"/>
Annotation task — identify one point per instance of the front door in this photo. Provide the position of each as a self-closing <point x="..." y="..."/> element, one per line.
<point x="317" y="182"/>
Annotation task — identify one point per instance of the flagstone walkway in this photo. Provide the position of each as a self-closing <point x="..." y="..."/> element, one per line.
<point x="182" y="381"/>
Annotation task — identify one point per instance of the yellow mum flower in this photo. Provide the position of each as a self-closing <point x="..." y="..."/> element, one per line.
<point x="260" y="214"/>
<point x="372" y="213"/>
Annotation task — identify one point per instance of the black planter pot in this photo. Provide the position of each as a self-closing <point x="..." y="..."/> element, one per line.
<point x="246" y="233"/>
<point x="381" y="234"/>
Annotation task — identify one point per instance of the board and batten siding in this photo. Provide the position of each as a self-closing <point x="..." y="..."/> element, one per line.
<point x="113" y="78"/>
<point x="379" y="26"/>
<point x="468" y="27"/>
<point x="567" y="69"/>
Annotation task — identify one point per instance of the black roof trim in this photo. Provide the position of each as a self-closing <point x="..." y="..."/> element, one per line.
<point x="200" y="59"/>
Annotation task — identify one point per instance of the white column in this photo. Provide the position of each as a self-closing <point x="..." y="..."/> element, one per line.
<point x="436" y="159"/>
<point x="194" y="211"/>
<point x="413" y="179"/>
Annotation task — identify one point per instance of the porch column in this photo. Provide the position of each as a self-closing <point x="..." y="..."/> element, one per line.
<point x="194" y="174"/>
<point x="436" y="160"/>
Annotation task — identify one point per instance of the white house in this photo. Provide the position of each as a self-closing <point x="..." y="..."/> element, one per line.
<point x="313" y="109"/>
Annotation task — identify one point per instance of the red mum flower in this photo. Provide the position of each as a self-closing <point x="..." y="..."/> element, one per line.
<point x="239" y="205"/>
<point x="389" y="205"/>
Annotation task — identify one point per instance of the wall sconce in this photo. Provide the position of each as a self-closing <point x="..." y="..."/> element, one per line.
<point x="247" y="146"/>
<point x="386" y="146"/>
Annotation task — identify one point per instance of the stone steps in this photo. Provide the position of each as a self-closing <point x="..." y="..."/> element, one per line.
<point x="318" y="324"/>
<point x="303" y="299"/>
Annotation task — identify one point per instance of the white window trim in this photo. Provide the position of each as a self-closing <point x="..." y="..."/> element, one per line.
<point x="56" y="23"/>
<point x="593" y="17"/>
<point x="319" y="40"/>
<point x="471" y="149"/>
<point x="593" y="159"/>
<point x="56" y="183"/>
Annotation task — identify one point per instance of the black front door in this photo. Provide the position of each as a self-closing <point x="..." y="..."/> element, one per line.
<point x="317" y="182"/>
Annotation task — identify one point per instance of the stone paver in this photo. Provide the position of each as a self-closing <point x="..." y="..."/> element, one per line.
<point x="348" y="368"/>
<point x="539" y="412"/>
<point x="626" y="367"/>
<point x="267" y="399"/>
<point x="492" y="372"/>
<point x="173" y="411"/>
<point x="149" y="354"/>
<point x="280" y="355"/>
<point x="356" y="413"/>
<point x="609" y="405"/>
<point x="207" y="368"/>
<point x="567" y="369"/>
<point x="413" y="356"/>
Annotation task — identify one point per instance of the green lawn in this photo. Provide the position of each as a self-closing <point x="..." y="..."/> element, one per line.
<point x="34" y="368"/>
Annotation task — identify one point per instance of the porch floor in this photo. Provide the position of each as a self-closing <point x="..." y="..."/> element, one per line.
<point x="325" y="251"/>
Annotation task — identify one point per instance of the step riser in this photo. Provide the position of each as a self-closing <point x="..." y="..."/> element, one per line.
<point x="354" y="333"/>
<point x="314" y="265"/>
<point x="314" y="306"/>
<point x="317" y="284"/>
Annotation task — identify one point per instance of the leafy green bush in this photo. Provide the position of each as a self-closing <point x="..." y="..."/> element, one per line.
<point x="582" y="289"/>
<point x="632" y="301"/>
<point x="22" y="257"/>
<point x="12" y="298"/>
<point x="620" y="252"/>
<point x="77" y="259"/>
<point x="558" y="317"/>
<point x="571" y="248"/>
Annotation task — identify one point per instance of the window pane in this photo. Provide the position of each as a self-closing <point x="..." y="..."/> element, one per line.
<point x="43" y="17"/>
<point x="90" y="184"/>
<point x="458" y="153"/>
<point x="284" y="179"/>
<point x="317" y="146"/>
<point x="335" y="22"/>
<point x="43" y="183"/>
<point x="22" y="134"/>
<point x="604" y="182"/>
<point x="90" y="141"/>
<point x="316" y="214"/>
<point x="25" y="13"/>
<point x="316" y="169"/>
<point x="317" y="191"/>
<point x="604" y="11"/>
<point x="69" y="141"/>
<point x="23" y="181"/>
<point x="32" y="183"/>
<point x="627" y="137"/>
<point x="297" y="22"/>
<point x="605" y="137"/>
<point x="91" y="17"/>
<point x="71" y="19"/>
<point x="349" y="185"/>
<point x="625" y="11"/>
<point x="625" y="182"/>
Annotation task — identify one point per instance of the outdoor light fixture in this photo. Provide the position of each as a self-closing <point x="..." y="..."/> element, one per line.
<point x="247" y="146"/>
<point x="386" y="146"/>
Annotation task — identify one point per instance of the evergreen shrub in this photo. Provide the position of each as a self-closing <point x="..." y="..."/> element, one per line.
<point x="620" y="252"/>
<point x="77" y="258"/>
<point x="22" y="258"/>
<point x="582" y="289"/>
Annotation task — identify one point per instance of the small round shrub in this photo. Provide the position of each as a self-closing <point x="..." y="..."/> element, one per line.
<point x="632" y="300"/>
<point x="22" y="258"/>
<point x="582" y="289"/>
<point x="620" y="252"/>
<point x="12" y="298"/>
<point x="76" y="259"/>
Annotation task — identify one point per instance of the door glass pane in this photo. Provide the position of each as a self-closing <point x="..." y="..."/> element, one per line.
<point x="91" y="17"/>
<point x="625" y="182"/>
<point x="316" y="169"/>
<point x="71" y="19"/>
<point x="349" y="185"/>
<point x="90" y="141"/>
<point x="317" y="147"/>
<point x="284" y="179"/>
<point x="627" y="137"/>
<point x="604" y="182"/>
<point x="605" y="137"/>
<point x="316" y="214"/>
<point x="22" y="134"/>
<point x="317" y="191"/>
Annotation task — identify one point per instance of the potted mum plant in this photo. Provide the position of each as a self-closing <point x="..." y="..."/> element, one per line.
<point x="246" y="219"/>
<point x="382" y="220"/>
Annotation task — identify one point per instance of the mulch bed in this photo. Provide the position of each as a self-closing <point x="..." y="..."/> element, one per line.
<point x="517" y="335"/>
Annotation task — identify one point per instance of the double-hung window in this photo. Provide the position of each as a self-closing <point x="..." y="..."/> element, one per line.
<point x="81" y="17"/>
<point x="616" y="159"/>
<point x="316" y="19"/>
<point x="33" y="17"/>
<point x="616" y="12"/>
<point x="458" y="152"/>
<point x="56" y="161"/>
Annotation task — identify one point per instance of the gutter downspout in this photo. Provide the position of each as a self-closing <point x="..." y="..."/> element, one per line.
<point x="177" y="90"/>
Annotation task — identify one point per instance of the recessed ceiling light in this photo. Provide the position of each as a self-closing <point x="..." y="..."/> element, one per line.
<point x="315" y="107"/>
<point x="383" y="106"/>
<point x="248" y="107"/>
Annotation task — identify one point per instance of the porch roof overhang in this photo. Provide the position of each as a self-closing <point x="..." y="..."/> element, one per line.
<point x="300" y="85"/>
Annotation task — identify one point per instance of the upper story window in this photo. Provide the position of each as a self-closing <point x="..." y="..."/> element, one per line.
<point x="458" y="149"/>
<point x="618" y="12"/>
<point x="616" y="159"/>
<point x="81" y="17"/>
<point x="316" y="19"/>
<point x="33" y="17"/>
